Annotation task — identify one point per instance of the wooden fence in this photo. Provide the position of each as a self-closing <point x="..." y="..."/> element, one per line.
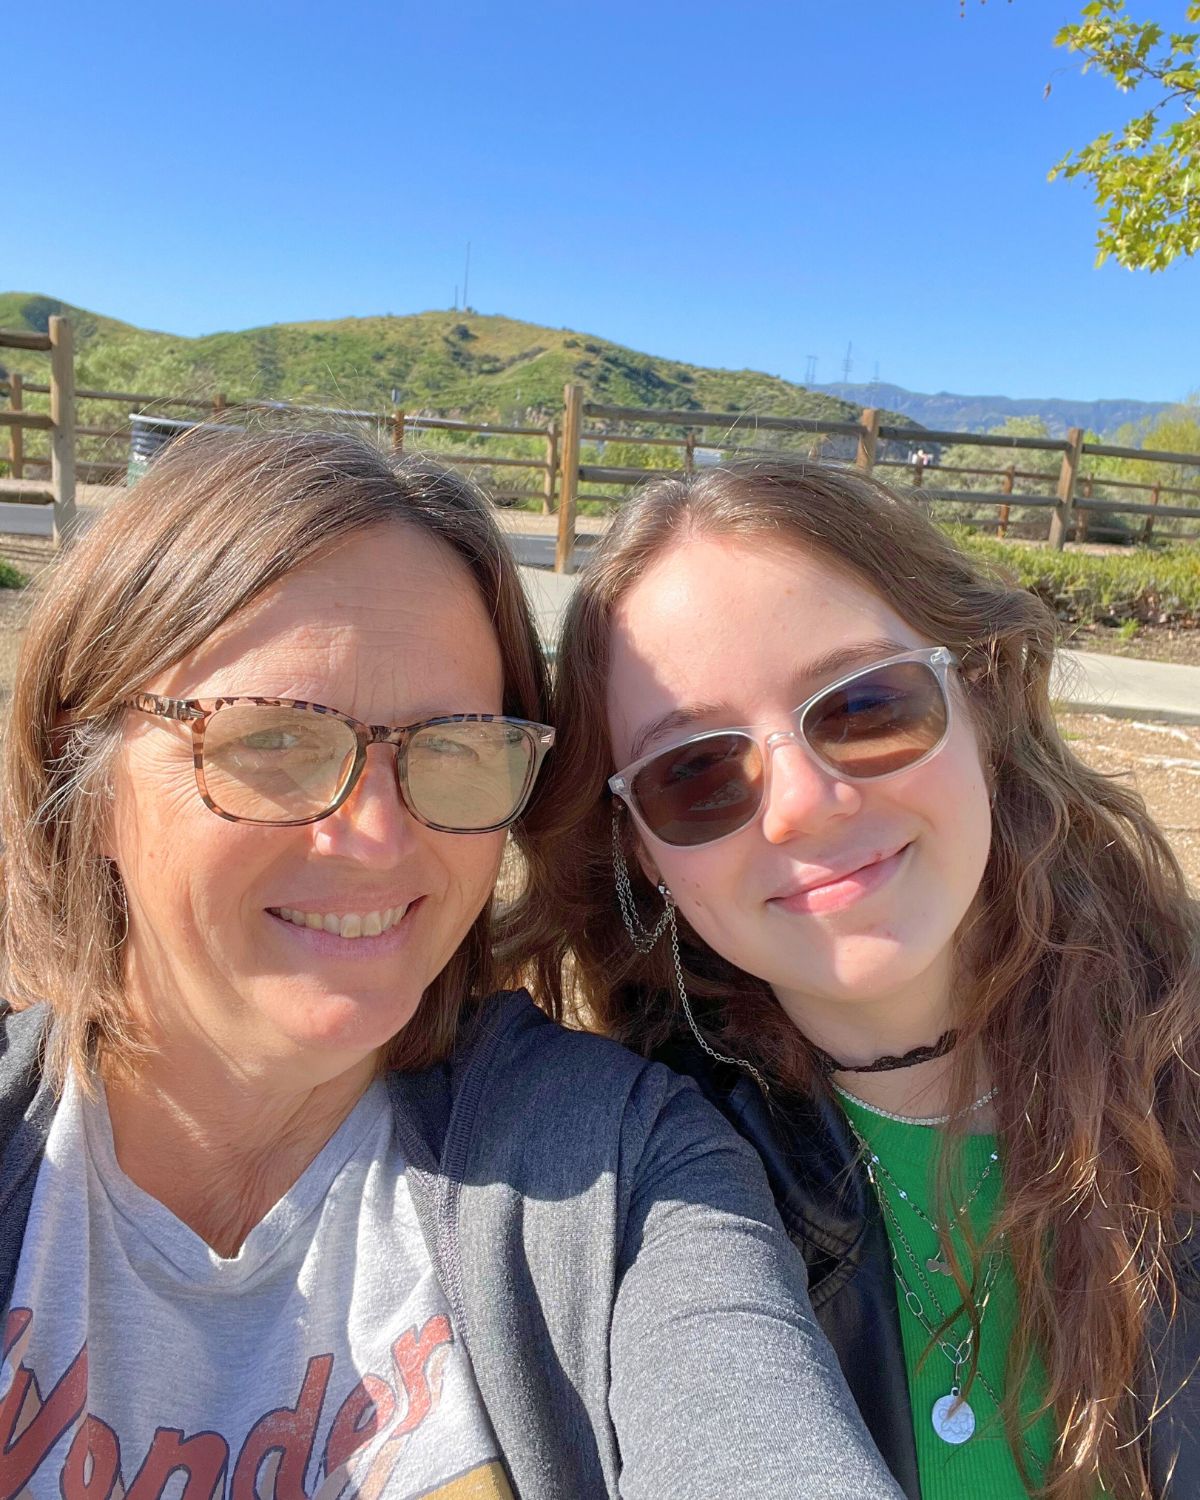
<point x="108" y="459"/>
<point x="59" y="422"/>
<point x="566" y="462"/>
<point x="1069" y="505"/>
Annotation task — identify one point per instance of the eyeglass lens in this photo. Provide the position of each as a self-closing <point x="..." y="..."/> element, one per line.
<point x="277" y="764"/>
<point x="880" y="722"/>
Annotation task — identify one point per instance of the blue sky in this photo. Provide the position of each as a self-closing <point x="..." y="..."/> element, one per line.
<point x="736" y="185"/>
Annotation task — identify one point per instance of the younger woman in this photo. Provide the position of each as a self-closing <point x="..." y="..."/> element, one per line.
<point x="816" y="840"/>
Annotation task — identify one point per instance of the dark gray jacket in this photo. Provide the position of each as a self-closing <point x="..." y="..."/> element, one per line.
<point x="637" y="1322"/>
<point x="832" y="1215"/>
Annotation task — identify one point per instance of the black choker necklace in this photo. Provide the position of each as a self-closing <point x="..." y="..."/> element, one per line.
<point x="888" y="1064"/>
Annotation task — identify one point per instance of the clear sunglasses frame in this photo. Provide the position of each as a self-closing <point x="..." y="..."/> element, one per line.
<point x="939" y="659"/>
<point x="197" y="713"/>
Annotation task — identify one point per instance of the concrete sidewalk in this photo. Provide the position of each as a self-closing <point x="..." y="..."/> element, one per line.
<point x="1128" y="687"/>
<point x="1084" y="681"/>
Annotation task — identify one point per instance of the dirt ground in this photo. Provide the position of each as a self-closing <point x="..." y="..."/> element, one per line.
<point x="1161" y="760"/>
<point x="1150" y="643"/>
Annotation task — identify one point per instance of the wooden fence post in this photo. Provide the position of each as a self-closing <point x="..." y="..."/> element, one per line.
<point x="1081" y="516"/>
<point x="1155" y="497"/>
<point x="689" y="452"/>
<point x="1010" y="475"/>
<point x="551" y="474"/>
<point x="16" y="437"/>
<point x="1060" y="516"/>
<point x="868" y="438"/>
<point x="219" y="404"/>
<point x="568" y="488"/>
<point x="919" y="462"/>
<point x="397" y="431"/>
<point x="62" y="434"/>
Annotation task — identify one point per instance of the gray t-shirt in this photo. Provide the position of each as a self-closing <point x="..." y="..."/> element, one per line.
<point x="321" y="1360"/>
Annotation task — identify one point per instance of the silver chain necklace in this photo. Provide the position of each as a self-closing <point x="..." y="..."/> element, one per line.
<point x="887" y="1114"/>
<point x="952" y="1416"/>
<point x="874" y="1164"/>
<point x="944" y="1409"/>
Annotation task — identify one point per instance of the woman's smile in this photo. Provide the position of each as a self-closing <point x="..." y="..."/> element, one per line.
<point x="369" y="934"/>
<point x="837" y="892"/>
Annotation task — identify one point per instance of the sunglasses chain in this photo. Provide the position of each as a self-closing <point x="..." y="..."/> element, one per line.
<point x="644" y="939"/>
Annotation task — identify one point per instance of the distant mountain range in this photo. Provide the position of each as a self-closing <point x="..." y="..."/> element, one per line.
<point x="950" y="413"/>
<point x="484" y="367"/>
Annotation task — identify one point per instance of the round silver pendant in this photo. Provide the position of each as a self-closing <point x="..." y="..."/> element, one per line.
<point x="952" y="1418"/>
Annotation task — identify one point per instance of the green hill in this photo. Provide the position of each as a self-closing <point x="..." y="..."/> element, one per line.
<point x="449" y="362"/>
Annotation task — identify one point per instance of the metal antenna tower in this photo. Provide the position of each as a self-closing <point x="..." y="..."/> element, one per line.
<point x="848" y="363"/>
<point x="810" y="369"/>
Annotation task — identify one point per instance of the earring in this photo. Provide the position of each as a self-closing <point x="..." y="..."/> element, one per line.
<point x="644" y="939"/>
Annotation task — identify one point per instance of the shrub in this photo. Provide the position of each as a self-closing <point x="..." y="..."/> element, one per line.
<point x="1149" y="585"/>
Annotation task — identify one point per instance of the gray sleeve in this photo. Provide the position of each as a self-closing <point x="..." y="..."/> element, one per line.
<point x="722" y="1383"/>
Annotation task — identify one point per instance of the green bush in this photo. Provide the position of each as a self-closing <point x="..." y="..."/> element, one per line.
<point x="11" y="576"/>
<point x="1149" y="585"/>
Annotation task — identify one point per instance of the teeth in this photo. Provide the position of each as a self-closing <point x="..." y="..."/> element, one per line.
<point x="351" y="924"/>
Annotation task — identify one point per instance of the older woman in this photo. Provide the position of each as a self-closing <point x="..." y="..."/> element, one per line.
<point x="288" y="1207"/>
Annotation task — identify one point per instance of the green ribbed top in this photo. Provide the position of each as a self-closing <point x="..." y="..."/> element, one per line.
<point x="984" y="1464"/>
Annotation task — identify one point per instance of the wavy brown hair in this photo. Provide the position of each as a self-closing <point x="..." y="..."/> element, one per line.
<point x="1079" y="989"/>
<point x="220" y="517"/>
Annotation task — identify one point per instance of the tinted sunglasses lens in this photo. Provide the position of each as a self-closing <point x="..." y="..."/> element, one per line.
<point x="700" y="791"/>
<point x="469" y="778"/>
<point x="882" y="721"/>
<point x="275" y="765"/>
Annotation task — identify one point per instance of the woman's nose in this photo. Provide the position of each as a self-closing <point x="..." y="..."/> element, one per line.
<point x="801" y="794"/>
<point x="373" y="826"/>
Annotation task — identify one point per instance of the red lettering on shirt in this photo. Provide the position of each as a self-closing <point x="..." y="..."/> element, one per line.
<point x="47" y="1420"/>
<point x="376" y="1421"/>
<point x="369" y="1407"/>
<point x="203" y="1457"/>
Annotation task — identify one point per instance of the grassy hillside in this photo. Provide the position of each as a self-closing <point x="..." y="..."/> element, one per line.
<point x="449" y="362"/>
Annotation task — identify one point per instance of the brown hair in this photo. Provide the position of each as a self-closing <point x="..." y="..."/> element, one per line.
<point x="220" y="517"/>
<point x="1080" y="989"/>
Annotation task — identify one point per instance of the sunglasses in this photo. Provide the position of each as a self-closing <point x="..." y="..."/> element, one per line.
<point x="284" y="762"/>
<point x="873" y="723"/>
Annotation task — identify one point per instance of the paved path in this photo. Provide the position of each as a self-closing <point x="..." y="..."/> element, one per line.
<point x="1128" y="687"/>
<point x="1084" y="681"/>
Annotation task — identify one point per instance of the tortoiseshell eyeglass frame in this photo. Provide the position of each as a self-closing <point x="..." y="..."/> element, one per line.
<point x="197" y="712"/>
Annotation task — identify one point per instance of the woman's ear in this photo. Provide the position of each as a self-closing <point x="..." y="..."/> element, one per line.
<point x="647" y="865"/>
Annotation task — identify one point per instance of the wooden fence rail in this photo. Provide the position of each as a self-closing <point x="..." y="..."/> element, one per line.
<point x="561" y="467"/>
<point x="59" y="422"/>
<point x="1066" y="506"/>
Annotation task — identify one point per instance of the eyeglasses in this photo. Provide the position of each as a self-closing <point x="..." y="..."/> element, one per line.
<point x="876" y="722"/>
<point x="285" y="762"/>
